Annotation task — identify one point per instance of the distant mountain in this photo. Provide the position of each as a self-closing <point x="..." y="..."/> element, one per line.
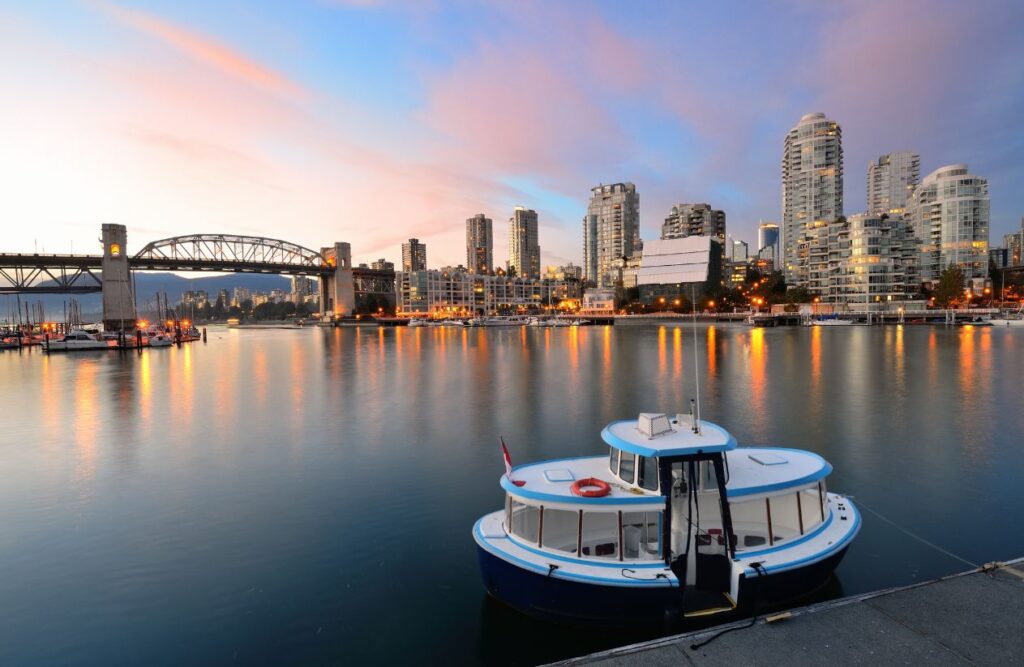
<point x="146" y="287"/>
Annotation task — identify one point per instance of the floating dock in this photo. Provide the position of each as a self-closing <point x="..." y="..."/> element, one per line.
<point x="975" y="617"/>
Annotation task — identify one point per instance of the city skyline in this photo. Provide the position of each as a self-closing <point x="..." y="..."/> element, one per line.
<point x="175" y="118"/>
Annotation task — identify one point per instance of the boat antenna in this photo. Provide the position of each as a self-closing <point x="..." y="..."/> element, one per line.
<point x="696" y="370"/>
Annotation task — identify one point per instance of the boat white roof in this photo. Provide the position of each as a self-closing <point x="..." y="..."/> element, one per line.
<point x="551" y="482"/>
<point x="766" y="470"/>
<point x="674" y="436"/>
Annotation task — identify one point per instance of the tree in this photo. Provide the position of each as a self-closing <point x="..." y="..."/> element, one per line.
<point x="798" y="294"/>
<point x="951" y="286"/>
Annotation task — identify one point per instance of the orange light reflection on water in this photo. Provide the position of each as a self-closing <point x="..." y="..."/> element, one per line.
<point x="84" y="423"/>
<point x="815" y="358"/>
<point x="677" y="352"/>
<point x="758" y="364"/>
<point x="662" y="353"/>
<point x="712" y="352"/>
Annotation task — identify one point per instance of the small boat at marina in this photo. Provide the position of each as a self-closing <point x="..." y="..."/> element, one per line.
<point x="160" y="340"/>
<point x="417" y="322"/>
<point x="77" y="340"/>
<point x="509" y="321"/>
<point x="830" y="322"/>
<point x="1012" y="320"/>
<point x="676" y="521"/>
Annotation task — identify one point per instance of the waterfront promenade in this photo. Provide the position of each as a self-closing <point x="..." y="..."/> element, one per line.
<point x="968" y="618"/>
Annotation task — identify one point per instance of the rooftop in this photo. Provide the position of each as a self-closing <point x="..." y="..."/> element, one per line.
<point x="659" y="435"/>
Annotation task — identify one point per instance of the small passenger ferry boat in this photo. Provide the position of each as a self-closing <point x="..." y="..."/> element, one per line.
<point x="676" y="521"/>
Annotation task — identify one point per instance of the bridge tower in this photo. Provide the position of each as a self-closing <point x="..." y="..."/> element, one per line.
<point x="337" y="291"/>
<point x="118" y="299"/>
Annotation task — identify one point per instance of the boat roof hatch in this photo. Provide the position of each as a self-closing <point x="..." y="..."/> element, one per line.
<point x="768" y="459"/>
<point x="654" y="434"/>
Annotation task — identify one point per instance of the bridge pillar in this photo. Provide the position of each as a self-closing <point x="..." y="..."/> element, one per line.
<point x="118" y="299"/>
<point x="337" y="290"/>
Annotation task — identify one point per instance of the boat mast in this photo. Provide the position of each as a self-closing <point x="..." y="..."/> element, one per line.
<point x="696" y="370"/>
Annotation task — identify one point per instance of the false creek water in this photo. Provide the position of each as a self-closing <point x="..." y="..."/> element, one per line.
<point x="306" y="496"/>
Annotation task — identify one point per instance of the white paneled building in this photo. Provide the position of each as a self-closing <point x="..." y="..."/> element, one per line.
<point x="949" y="212"/>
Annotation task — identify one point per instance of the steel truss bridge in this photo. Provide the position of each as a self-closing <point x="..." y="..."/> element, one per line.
<point x="79" y="274"/>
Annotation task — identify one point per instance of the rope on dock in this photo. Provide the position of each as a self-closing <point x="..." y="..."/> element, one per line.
<point x="860" y="503"/>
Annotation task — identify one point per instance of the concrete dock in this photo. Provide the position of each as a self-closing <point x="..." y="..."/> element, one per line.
<point x="975" y="617"/>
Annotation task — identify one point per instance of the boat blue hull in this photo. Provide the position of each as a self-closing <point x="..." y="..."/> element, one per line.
<point x="565" y="601"/>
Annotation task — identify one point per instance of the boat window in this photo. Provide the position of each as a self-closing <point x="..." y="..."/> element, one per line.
<point x="560" y="528"/>
<point x="648" y="473"/>
<point x="823" y="499"/>
<point x="641" y="535"/>
<point x="750" y="523"/>
<point x="785" y="516"/>
<point x="810" y="508"/>
<point x="525" y="521"/>
<point x="679" y="487"/>
<point x="708" y="478"/>
<point x="600" y="534"/>
<point x="613" y="461"/>
<point x="627" y="466"/>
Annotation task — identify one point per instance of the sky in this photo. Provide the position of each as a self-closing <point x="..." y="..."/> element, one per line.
<point x="370" y="122"/>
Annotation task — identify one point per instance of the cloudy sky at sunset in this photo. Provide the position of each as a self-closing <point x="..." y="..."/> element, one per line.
<point x="370" y="122"/>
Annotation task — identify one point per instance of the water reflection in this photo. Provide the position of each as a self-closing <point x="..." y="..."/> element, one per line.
<point x="270" y="460"/>
<point x="758" y="361"/>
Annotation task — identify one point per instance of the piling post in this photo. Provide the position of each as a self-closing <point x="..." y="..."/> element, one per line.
<point x="204" y="334"/>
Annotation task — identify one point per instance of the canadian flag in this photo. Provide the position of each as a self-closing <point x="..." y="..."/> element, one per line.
<point x="508" y="463"/>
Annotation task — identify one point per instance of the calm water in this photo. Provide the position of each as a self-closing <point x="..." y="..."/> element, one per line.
<point x="306" y="497"/>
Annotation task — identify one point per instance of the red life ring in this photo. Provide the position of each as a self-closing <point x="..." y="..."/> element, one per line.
<point x="599" y="487"/>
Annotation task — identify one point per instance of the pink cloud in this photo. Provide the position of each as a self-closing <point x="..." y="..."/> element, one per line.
<point x="206" y="50"/>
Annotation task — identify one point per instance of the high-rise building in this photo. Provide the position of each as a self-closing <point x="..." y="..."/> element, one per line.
<point x="877" y="261"/>
<point x="1014" y="244"/>
<point x="302" y="289"/>
<point x="240" y="296"/>
<point x="414" y="256"/>
<point x="480" y="244"/>
<point x="891" y="179"/>
<point x="864" y="259"/>
<point x="611" y="231"/>
<point x="523" y="250"/>
<point x="949" y="212"/>
<point x="768" y="237"/>
<point x="812" y="186"/>
<point x="694" y="220"/>
<point x="382" y="265"/>
<point x="738" y="251"/>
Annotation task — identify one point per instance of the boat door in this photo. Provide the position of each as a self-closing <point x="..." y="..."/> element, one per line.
<point x="710" y="529"/>
<point x="699" y="540"/>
